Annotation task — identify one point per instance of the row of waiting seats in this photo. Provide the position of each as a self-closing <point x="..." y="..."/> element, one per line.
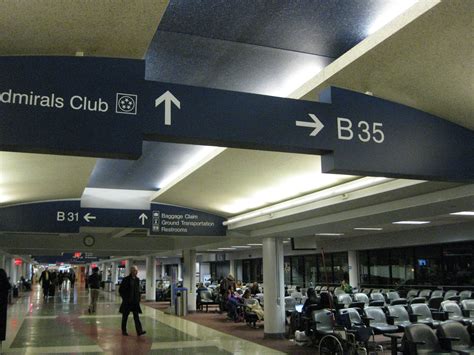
<point x="416" y="322"/>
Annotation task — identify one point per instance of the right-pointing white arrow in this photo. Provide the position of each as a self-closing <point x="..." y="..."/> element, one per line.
<point x="317" y="124"/>
<point x="168" y="98"/>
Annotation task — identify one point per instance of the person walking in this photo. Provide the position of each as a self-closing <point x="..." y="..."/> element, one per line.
<point x="130" y="292"/>
<point x="94" y="286"/>
<point x="4" y="290"/>
<point x="45" y="280"/>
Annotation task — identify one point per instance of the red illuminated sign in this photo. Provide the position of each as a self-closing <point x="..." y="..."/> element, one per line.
<point x="18" y="261"/>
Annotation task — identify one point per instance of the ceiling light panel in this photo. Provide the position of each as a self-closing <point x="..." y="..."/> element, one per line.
<point x="412" y="222"/>
<point x="463" y="213"/>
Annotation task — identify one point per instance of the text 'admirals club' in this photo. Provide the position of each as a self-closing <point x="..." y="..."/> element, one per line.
<point x="124" y="103"/>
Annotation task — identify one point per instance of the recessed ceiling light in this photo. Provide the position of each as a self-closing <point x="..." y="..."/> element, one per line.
<point x="226" y="248"/>
<point x="368" y="229"/>
<point x="463" y="213"/>
<point x="411" y="222"/>
<point x="255" y="244"/>
<point x="331" y="234"/>
<point x="241" y="246"/>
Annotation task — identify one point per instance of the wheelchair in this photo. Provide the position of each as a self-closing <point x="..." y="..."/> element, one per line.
<point x="337" y="339"/>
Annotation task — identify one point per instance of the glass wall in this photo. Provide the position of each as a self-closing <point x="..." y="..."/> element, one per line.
<point x="430" y="265"/>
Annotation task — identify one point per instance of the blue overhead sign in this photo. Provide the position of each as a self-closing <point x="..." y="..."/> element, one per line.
<point x="104" y="107"/>
<point x="68" y="217"/>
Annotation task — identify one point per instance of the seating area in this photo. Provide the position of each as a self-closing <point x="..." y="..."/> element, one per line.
<point x="369" y="320"/>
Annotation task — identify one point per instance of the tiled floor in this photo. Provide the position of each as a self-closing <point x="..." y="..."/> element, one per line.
<point x="61" y="325"/>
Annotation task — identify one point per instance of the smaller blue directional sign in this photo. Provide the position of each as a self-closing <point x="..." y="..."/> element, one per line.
<point x="67" y="217"/>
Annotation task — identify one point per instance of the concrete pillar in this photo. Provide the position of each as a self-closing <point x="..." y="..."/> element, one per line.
<point x="150" y="278"/>
<point x="2" y="261"/>
<point x="8" y="267"/>
<point x="104" y="271"/>
<point x="232" y="269"/>
<point x="13" y="272"/>
<point x="114" y="274"/>
<point x="353" y="262"/>
<point x="274" y="294"/>
<point x="180" y="271"/>
<point x="189" y="277"/>
<point x="128" y="263"/>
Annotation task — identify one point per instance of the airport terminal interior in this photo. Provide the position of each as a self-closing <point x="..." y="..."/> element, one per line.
<point x="281" y="176"/>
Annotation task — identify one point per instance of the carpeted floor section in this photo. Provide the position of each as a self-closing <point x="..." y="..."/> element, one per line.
<point x="219" y="322"/>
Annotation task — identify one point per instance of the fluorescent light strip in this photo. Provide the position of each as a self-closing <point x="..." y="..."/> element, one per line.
<point x="317" y="196"/>
<point x="412" y="222"/>
<point x="331" y="234"/>
<point x="241" y="246"/>
<point x="463" y="213"/>
<point x="227" y="248"/>
<point x="196" y="161"/>
<point x="368" y="229"/>
<point x="255" y="244"/>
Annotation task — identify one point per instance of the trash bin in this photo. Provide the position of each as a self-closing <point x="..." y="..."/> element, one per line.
<point x="181" y="306"/>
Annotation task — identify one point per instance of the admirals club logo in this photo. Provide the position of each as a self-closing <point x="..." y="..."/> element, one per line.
<point x="126" y="103"/>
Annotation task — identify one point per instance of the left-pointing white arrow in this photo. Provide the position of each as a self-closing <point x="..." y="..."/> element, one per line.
<point x="143" y="217"/>
<point x="168" y="98"/>
<point x="316" y="124"/>
<point x="88" y="217"/>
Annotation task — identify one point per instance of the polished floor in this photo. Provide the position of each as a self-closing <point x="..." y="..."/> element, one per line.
<point x="62" y="325"/>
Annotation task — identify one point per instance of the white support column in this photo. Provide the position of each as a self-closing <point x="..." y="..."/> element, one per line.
<point x="189" y="277"/>
<point x="114" y="274"/>
<point x="8" y="267"/>
<point x="104" y="271"/>
<point x="128" y="264"/>
<point x="180" y="271"/>
<point x="232" y="269"/>
<point x="274" y="294"/>
<point x="13" y="272"/>
<point x="2" y="261"/>
<point x="353" y="262"/>
<point x="150" y="278"/>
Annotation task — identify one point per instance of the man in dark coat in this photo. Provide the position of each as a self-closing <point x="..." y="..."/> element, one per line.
<point x="130" y="292"/>
<point x="4" y="289"/>
<point x="45" y="280"/>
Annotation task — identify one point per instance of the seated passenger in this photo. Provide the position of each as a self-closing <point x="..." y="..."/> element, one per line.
<point x="254" y="289"/>
<point x="297" y="295"/>
<point x="346" y="287"/>
<point x="233" y="303"/>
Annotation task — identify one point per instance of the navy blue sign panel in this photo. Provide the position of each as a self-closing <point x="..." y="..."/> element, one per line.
<point x="83" y="112"/>
<point x="42" y="217"/>
<point x="70" y="106"/>
<point x="68" y="217"/>
<point x="174" y="220"/>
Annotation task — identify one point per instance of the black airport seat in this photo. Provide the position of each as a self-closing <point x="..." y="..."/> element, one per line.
<point x="400" y="316"/>
<point x="418" y="300"/>
<point x="322" y="322"/>
<point x="456" y="336"/>
<point x="452" y="295"/>
<point x="437" y="293"/>
<point x="362" y="297"/>
<point x="468" y="307"/>
<point x="464" y="295"/>
<point x="421" y="339"/>
<point x="377" y="299"/>
<point x="435" y="303"/>
<point x="412" y="293"/>
<point x="426" y="293"/>
<point x="423" y="315"/>
<point x="378" y="321"/>
<point x="454" y="312"/>
<point x="205" y="299"/>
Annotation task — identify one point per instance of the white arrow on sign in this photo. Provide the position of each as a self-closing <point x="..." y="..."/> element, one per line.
<point x="143" y="217"/>
<point x="88" y="217"/>
<point x="168" y="98"/>
<point x="316" y="124"/>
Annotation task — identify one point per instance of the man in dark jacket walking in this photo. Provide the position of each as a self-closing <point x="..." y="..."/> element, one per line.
<point x="94" y="286"/>
<point x="130" y="292"/>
